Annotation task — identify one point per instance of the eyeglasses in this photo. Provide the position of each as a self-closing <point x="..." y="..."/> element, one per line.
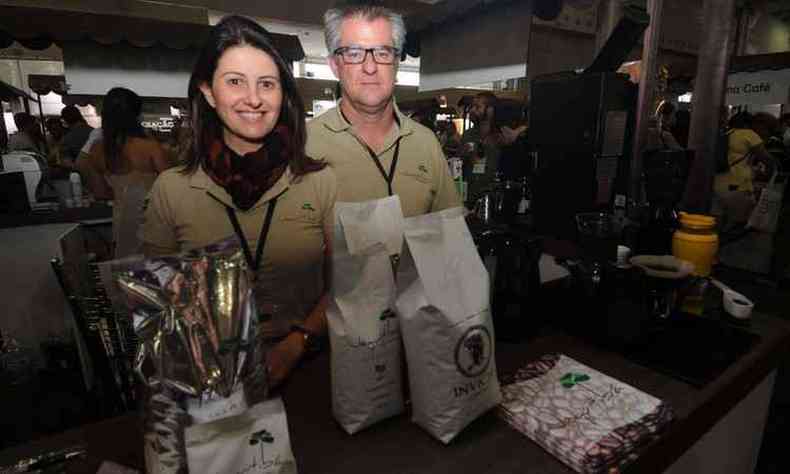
<point x="357" y="55"/>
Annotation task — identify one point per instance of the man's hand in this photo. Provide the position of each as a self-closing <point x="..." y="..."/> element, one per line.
<point x="283" y="357"/>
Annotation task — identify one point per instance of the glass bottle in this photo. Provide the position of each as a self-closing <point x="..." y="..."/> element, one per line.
<point x="524" y="208"/>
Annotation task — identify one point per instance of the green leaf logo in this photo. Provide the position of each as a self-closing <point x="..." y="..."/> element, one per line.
<point x="570" y="379"/>
<point x="307" y="207"/>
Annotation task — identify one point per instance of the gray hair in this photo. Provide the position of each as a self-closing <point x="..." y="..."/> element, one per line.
<point x="334" y="17"/>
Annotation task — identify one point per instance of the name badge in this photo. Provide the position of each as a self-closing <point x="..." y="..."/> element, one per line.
<point x="479" y="167"/>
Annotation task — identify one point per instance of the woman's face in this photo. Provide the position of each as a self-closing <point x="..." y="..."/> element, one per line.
<point x="247" y="95"/>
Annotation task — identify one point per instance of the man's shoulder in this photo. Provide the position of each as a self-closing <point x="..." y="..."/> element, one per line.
<point x="470" y="135"/>
<point x="424" y="137"/>
<point x="320" y="123"/>
<point x="84" y="128"/>
<point x="322" y="139"/>
<point x="419" y="130"/>
<point x="80" y="129"/>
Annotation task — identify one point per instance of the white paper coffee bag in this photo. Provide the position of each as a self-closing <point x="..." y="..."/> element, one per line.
<point x="255" y="442"/>
<point x="363" y="330"/>
<point x="444" y="311"/>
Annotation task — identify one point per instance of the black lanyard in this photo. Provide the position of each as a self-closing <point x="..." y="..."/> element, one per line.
<point x="267" y="222"/>
<point x="394" y="164"/>
<point x="387" y="177"/>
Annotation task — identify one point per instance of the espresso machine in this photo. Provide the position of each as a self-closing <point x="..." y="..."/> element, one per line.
<point x="581" y="128"/>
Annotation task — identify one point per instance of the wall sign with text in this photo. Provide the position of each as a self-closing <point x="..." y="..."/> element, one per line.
<point x="763" y="87"/>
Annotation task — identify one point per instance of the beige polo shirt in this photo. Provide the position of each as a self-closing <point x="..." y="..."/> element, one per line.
<point x="181" y="214"/>
<point x="422" y="178"/>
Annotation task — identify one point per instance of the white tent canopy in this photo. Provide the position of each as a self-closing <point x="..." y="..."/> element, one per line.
<point x="93" y="69"/>
<point x="759" y="88"/>
<point x="477" y="49"/>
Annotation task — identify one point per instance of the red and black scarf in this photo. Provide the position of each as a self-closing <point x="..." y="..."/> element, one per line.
<point x="247" y="177"/>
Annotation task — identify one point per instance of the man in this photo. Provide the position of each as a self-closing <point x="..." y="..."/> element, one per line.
<point x="373" y="148"/>
<point x="77" y="135"/>
<point x="481" y="145"/>
<point x="659" y="130"/>
<point x="28" y="136"/>
<point x="786" y="130"/>
<point x="481" y="112"/>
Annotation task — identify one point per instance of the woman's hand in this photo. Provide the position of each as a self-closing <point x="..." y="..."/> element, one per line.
<point x="283" y="357"/>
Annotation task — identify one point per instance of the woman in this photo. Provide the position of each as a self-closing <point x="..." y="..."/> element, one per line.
<point x="123" y="166"/>
<point x="124" y="149"/>
<point x="733" y="190"/>
<point x="247" y="174"/>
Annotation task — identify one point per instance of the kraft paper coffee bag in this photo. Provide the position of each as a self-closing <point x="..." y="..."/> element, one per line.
<point x="443" y="308"/>
<point x="363" y="330"/>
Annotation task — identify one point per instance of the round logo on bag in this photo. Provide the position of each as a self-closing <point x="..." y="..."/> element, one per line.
<point x="473" y="351"/>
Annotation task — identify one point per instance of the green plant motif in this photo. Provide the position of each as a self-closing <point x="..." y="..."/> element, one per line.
<point x="307" y="207"/>
<point x="260" y="437"/>
<point x="570" y="379"/>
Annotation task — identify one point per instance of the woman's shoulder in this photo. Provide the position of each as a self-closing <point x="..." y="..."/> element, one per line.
<point x="172" y="180"/>
<point x="748" y="136"/>
<point x="144" y="141"/>
<point x="321" y="183"/>
<point x="744" y="132"/>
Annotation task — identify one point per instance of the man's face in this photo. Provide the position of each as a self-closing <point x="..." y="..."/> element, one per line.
<point x="367" y="86"/>
<point x="478" y="110"/>
<point x="668" y="120"/>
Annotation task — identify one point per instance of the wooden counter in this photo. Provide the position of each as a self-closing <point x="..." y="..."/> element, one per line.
<point x="489" y="445"/>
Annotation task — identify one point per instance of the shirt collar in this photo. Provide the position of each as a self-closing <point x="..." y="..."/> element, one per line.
<point x="201" y="180"/>
<point x="337" y="123"/>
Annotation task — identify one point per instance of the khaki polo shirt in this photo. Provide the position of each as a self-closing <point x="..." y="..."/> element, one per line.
<point x="422" y="178"/>
<point x="182" y="214"/>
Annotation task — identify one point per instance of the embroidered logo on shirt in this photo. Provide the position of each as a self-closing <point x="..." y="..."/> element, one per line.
<point x="307" y="207"/>
<point x="423" y="168"/>
<point x="570" y="379"/>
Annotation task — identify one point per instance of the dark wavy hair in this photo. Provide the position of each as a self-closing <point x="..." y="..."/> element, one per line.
<point x="120" y="120"/>
<point x="206" y="125"/>
<point x="71" y="115"/>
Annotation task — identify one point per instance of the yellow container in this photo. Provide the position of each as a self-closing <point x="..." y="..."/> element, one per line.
<point x="696" y="241"/>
